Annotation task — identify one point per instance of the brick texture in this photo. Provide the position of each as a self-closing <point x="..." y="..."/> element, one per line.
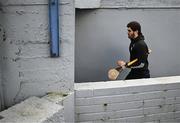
<point x="144" y="100"/>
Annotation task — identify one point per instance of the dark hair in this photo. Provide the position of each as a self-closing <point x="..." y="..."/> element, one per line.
<point x="135" y="26"/>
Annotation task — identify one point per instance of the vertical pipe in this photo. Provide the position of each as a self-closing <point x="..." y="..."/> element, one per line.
<point x="54" y="27"/>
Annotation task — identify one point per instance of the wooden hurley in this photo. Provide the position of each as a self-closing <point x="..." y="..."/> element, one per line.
<point x="114" y="73"/>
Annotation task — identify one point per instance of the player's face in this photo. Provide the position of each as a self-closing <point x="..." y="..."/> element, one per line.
<point x="131" y="33"/>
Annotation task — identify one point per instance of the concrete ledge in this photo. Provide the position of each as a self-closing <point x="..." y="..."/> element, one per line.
<point x="29" y="2"/>
<point x="125" y="4"/>
<point x="127" y="83"/>
<point x="87" y="4"/>
<point x="140" y="4"/>
<point x="33" y="110"/>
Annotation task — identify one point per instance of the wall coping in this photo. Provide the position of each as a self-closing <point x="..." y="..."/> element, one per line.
<point x="127" y="83"/>
<point x="124" y="4"/>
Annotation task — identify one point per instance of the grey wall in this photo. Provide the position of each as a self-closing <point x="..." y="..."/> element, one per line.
<point x="27" y="68"/>
<point x="101" y="39"/>
<point x="139" y="3"/>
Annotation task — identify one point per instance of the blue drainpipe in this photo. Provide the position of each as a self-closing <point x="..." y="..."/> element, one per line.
<point x="54" y="27"/>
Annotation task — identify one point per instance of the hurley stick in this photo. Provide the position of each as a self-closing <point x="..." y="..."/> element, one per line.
<point x="114" y="73"/>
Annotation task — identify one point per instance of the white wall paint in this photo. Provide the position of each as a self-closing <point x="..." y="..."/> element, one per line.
<point x="87" y="4"/>
<point x="27" y="68"/>
<point x="143" y="100"/>
<point x="139" y="3"/>
<point x="90" y="4"/>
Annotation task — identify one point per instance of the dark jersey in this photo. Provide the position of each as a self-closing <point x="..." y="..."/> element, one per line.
<point x="139" y="50"/>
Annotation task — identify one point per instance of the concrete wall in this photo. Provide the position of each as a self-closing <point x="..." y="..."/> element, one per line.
<point x="90" y="4"/>
<point x="143" y="100"/>
<point x="139" y="3"/>
<point x="101" y="37"/>
<point x="27" y="68"/>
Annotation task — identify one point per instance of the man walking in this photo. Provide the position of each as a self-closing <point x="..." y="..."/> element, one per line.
<point x="138" y="50"/>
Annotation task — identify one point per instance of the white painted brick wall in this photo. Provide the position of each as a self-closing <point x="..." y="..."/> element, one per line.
<point x="143" y="100"/>
<point x="25" y="53"/>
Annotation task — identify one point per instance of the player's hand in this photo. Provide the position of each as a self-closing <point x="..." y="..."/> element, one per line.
<point x="121" y="63"/>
